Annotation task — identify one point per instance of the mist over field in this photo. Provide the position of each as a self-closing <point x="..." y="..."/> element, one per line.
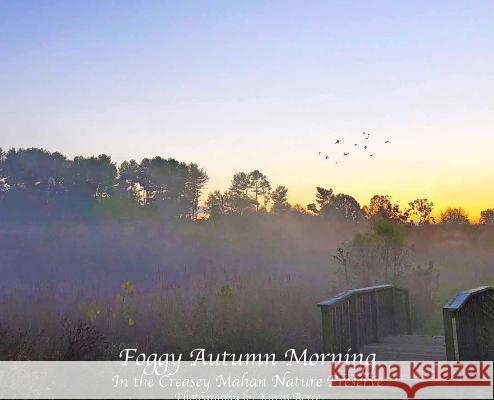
<point x="96" y="258"/>
<point x="242" y="284"/>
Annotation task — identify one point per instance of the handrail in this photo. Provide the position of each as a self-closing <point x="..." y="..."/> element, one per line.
<point x="360" y="316"/>
<point x="469" y="325"/>
<point x="344" y="295"/>
<point x="457" y="302"/>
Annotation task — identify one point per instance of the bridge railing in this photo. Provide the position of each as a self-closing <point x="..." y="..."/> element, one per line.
<point x="360" y="316"/>
<point x="469" y="325"/>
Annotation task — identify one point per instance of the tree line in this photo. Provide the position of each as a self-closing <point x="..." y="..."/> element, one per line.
<point x="36" y="184"/>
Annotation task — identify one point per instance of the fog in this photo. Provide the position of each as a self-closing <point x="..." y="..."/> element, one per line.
<point x="240" y="284"/>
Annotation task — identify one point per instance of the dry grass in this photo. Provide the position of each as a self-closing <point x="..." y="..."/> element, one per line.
<point x="244" y="286"/>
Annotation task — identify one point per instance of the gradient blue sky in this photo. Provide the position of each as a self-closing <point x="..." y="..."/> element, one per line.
<point x="239" y="85"/>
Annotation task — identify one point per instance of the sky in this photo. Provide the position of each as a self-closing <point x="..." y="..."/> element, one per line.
<point x="243" y="85"/>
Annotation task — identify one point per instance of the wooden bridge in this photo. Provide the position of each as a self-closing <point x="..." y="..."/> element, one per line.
<point x="376" y="320"/>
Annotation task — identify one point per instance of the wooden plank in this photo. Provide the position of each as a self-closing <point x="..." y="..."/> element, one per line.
<point x="408" y="348"/>
<point x="327" y="335"/>
<point x="449" y="333"/>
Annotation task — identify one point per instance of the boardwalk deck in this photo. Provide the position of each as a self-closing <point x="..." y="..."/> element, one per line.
<point x="376" y="320"/>
<point x="408" y="348"/>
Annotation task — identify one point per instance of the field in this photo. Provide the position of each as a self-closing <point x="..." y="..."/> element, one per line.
<point x="83" y="291"/>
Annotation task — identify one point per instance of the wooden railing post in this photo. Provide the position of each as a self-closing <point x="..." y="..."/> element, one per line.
<point x="375" y="316"/>
<point x="361" y="316"/>
<point x="469" y="325"/>
<point x="327" y="335"/>
<point x="354" y="330"/>
<point x="393" y="310"/>
<point x="450" y="335"/>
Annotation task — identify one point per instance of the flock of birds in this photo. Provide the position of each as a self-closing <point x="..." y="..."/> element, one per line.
<point x="363" y="145"/>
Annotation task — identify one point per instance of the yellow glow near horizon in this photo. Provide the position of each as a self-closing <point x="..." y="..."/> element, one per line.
<point x="264" y="85"/>
<point x="452" y="177"/>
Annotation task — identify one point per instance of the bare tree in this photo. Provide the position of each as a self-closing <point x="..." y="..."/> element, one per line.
<point x="487" y="217"/>
<point x="422" y="210"/>
<point x="382" y="207"/>
<point x="323" y="197"/>
<point x="454" y="216"/>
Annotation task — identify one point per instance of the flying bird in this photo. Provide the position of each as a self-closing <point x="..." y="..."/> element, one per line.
<point x="365" y="147"/>
<point x="327" y="157"/>
<point x="387" y="141"/>
<point x="372" y="155"/>
<point x="338" y="141"/>
<point x="345" y="154"/>
<point x="319" y="153"/>
<point x="355" y="144"/>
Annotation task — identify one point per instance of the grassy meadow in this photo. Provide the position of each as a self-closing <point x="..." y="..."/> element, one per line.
<point x="83" y="291"/>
